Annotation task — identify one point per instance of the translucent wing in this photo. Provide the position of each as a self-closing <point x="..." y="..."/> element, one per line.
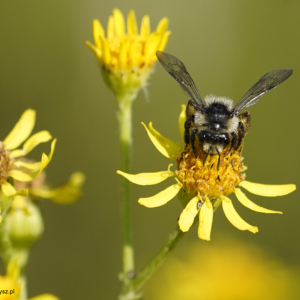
<point x="178" y="71"/>
<point x="268" y="82"/>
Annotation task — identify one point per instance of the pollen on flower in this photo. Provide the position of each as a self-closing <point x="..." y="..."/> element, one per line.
<point x="208" y="180"/>
<point x="6" y="162"/>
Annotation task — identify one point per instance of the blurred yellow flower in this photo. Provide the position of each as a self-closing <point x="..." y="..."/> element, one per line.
<point x="10" y="285"/>
<point x="224" y="270"/>
<point x="12" y="164"/>
<point x="66" y="193"/>
<point x="127" y="58"/>
<point x="203" y="188"/>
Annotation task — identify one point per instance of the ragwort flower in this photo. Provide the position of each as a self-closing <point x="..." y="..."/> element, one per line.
<point x="12" y="164"/>
<point x="127" y="58"/>
<point x="204" y="188"/>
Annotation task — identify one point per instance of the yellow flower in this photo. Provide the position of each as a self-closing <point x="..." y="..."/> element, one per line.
<point x="226" y="270"/>
<point x="12" y="164"/>
<point x="127" y="59"/>
<point x="203" y="188"/>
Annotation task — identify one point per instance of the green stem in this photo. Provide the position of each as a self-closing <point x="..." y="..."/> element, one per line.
<point x="125" y="127"/>
<point x="146" y="272"/>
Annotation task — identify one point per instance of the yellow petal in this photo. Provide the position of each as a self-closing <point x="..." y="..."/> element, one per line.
<point x="119" y="22"/>
<point x="268" y="190"/>
<point x="97" y="31"/>
<point x="165" y="146"/>
<point x="110" y="27"/>
<point x="29" y="166"/>
<point x="145" y="26"/>
<point x="97" y="51"/>
<point x="162" y="26"/>
<point x="123" y="55"/>
<point x="188" y="215"/>
<point x="46" y="159"/>
<point x="234" y="218"/>
<point x="105" y="51"/>
<point x="32" y="142"/>
<point x="246" y="202"/>
<point x="134" y="54"/>
<point x="182" y="119"/>
<point x="21" y="131"/>
<point x="9" y="191"/>
<point x="131" y="23"/>
<point x="147" y="178"/>
<point x="152" y="44"/>
<point x="205" y="220"/>
<point x="161" y="198"/>
<point x="25" y="177"/>
<point x="44" y="297"/>
<point x="43" y="192"/>
<point x="164" y="41"/>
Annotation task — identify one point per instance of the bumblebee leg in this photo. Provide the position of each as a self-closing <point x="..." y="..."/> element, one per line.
<point x="233" y="141"/>
<point x="245" y="118"/>
<point x="241" y="135"/>
<point x="193" y="135"/>
<point x="187" y="126"/>
<point x="218" y="159"/>
<point x="204" y="160"/>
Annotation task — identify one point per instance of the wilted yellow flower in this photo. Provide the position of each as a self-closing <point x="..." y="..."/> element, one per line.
<point x="12" y="165"/>
<point x="224" y="270"/>
<point x="127" y="58"/>
<point x="203" y="188"/>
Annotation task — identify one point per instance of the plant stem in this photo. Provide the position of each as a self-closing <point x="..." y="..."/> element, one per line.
<point x="146" y="272"/>
<point x="125" y="127"/>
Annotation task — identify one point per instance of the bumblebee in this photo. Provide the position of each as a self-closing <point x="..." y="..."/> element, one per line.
<point x="216" y="123"/>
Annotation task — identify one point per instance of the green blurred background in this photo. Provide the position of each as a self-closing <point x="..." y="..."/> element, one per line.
<point x="226" y="45"/>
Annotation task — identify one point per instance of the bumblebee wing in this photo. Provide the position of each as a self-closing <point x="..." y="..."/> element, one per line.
<point x="268" y="82"/>
<point x="178" y="71"/>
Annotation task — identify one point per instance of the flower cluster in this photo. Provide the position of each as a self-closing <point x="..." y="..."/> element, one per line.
<point x="127" y="58"/>
<point x="203" y="188"/>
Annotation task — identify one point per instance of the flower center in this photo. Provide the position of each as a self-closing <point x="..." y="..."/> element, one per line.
<point x="5" y="163"/>
<point x="208" y="180"/>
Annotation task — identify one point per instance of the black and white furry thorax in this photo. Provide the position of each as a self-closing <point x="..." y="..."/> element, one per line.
<point x="216" y="115"/>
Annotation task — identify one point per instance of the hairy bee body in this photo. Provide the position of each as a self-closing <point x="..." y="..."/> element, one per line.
<point x="213" y="126"/>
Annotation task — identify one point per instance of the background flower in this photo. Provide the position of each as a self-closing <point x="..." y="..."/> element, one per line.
<point x="227" y="270"/>
<point x="13" y="165"/>
<point x="127" y="55"/>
